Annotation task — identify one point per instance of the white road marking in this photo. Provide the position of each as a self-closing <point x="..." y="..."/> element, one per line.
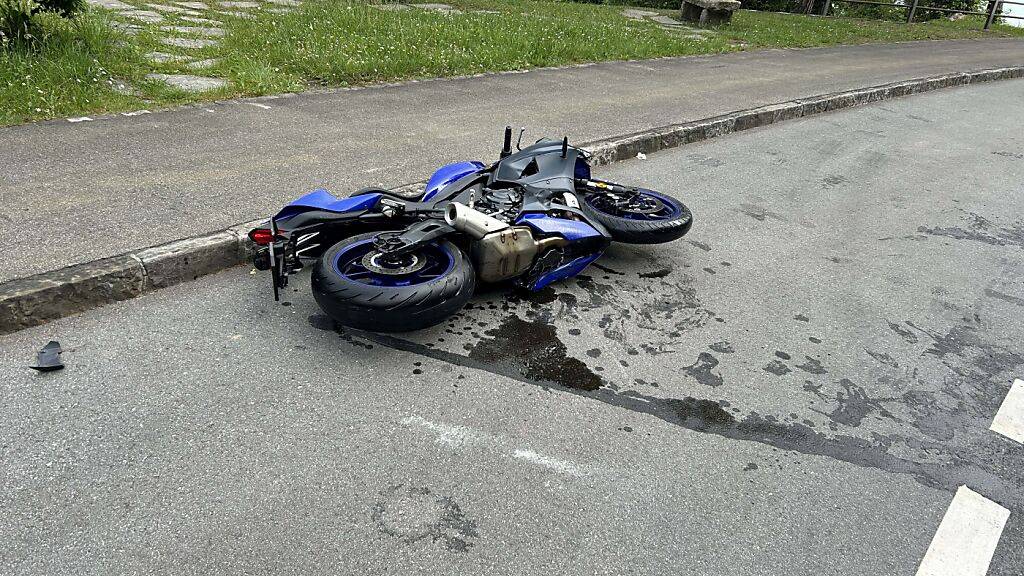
<point x="967" y="537"/>
<point x="135" y="113"/>
<point x="458" y="436"/>
<point x="1009" y="420"/>
<point x="447" y="433"/>
<point x="555" y="464"/>
<point x="82" y="119"/>
<point x="258" y="105"/>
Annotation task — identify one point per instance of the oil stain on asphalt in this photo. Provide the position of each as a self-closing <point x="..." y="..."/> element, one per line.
<point x="524" y="346"/>
<point x="533" y="350"/>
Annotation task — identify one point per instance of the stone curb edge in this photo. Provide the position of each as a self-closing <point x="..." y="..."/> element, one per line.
<point x="35" y="300"/>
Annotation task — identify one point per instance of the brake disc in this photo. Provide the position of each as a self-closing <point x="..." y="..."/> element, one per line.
<point x="393" y="265"/>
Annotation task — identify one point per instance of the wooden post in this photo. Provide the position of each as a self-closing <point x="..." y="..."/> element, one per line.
<point x="992" y="6"/>
<point x="910" y="12"/>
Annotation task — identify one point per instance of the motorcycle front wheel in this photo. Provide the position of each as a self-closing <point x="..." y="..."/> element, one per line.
<point x="645" y="217"/>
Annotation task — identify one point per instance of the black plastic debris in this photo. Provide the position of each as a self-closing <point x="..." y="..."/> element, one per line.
<point x="48" y="358"/>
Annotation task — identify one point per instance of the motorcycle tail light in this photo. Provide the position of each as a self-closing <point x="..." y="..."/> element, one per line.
<point x="261" y="236"/>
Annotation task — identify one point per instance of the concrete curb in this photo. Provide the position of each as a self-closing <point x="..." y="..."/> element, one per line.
<point x="35" y="300"/>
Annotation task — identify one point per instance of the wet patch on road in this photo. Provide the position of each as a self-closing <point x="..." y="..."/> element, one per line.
<point x="812" y="366"/>
<point x="853" y="405"/>
<point x="647" y="314"/>
<point x="607" y="269"/>
<point x="533" y="350"/>
<point x="1004" y="297"/>
<point x="980" y="229"/>
<point x="655" y="274"/>
<point x="833" y="180"/>
<point x="777" y="367"/>
<point x="758" y="213"/>
<point x="940" y="465"/>
<point x="722" y="347"/>
<point x="701" y="370"/>
<point x="883" y="358"/>
<point x="413" y="514"/>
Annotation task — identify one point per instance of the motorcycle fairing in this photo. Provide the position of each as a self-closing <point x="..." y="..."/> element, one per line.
<point x="571" y="230"/>
<point x="567" y="270"/>
<point x="445" y="175"/>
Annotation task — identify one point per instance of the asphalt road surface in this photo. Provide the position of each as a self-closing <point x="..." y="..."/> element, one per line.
<point x="89" y="190"/>
<point x="798" y="387"/>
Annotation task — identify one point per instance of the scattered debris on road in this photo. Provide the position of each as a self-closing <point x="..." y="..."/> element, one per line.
<point x="48" y="358"/>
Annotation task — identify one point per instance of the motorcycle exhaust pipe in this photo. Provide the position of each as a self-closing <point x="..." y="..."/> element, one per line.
<point x="470" y="221"/>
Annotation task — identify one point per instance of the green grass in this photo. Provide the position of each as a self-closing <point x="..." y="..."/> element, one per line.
<point x="772" y="30"/>
<point x="340" y="43"/>
<point x="77" y="66"/>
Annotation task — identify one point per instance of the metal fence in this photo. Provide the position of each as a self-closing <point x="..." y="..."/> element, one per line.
<point x="912" y="6"/>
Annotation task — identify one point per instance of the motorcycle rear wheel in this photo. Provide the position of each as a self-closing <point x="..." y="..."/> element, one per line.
<point x="357" y="287"/>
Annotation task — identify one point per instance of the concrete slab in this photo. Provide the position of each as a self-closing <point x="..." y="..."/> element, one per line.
<point x="666" y="20"/>
<point x="196" y="31"/>
<point x="147" y="16"/>
<point x="237" y="14"/>
<point x="202" y="64"/>
<point x="172" y="9"/>
<point x="164" y="57"/>
<point x="190" y="83"/>
<point x="635" y="14"/>
<point x="188" y="42"/>
<point x="204" y="21"/>
<point x="111" y="4"/>
<point x="437" y="7"/>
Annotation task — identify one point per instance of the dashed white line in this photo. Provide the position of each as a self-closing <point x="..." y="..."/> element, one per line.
<point x="258" y="105"/>
<point x="1009" y="420"/>
<point x="461" y="436"/>
<point x="967" y="537"/>
<point x="135" y="113"/>
<point x="81" y="119"/>
<point x="447" y="433"/>
<point x="549" y="462"/>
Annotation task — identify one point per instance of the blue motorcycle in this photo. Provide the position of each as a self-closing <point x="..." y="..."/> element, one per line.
<point x="392" y="261"/>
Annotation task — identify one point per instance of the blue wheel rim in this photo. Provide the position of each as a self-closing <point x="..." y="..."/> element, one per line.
<point x="670" y="207"/>
<point x="348" y="263"/>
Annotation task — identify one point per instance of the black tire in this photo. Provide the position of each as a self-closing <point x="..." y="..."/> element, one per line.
<point x="631" y="231"/>
<point x="391" y="308"/>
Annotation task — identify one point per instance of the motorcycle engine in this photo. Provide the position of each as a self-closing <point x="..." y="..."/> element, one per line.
<point x="503" y="204"/>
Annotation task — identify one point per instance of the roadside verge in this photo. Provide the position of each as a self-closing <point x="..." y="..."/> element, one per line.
<point x="35" y="300"/>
